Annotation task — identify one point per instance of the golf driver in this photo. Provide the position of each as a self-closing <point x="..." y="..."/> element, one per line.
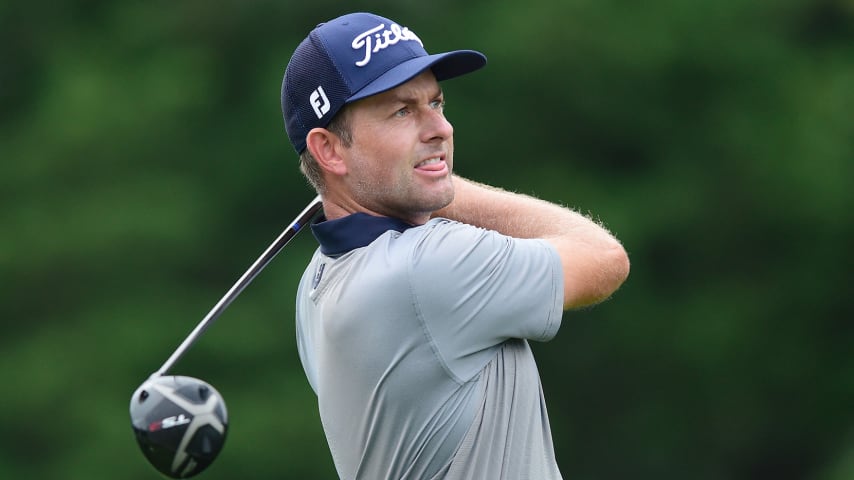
<point x="180" y="422"/>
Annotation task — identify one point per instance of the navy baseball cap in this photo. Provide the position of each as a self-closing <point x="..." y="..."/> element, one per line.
<point x="352" y="57"/>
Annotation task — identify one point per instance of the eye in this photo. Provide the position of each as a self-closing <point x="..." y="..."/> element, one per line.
<point x="402" y="112"/>
<point x="438" y="104"/>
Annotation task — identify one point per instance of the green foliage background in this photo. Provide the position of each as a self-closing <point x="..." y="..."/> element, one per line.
<point x="145" y="166"/>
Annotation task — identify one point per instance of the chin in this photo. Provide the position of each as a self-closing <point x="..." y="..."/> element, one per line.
<point x="437" y="202"/>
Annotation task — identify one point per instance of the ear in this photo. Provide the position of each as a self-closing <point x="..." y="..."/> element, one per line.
<point x="326" y="148"/>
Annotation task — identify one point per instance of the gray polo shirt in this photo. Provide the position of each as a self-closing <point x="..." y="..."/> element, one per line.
<point x="415" y="341"/>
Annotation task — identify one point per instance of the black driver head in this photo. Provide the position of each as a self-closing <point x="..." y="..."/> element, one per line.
<point x="180" y="424"/>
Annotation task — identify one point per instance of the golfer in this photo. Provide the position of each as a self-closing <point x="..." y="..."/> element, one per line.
<point x="414" y="315"/>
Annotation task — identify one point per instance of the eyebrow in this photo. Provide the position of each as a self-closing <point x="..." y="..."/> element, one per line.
<point x="408" y="99"/>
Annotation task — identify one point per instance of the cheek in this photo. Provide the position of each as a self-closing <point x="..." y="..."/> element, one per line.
<point x="385" y="154"/>
<point x="385" y="150"/>
<point x="370" y="167"/>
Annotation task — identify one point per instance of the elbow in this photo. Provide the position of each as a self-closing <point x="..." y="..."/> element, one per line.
<point x="620" y="266"/>
<point x="604" y="278"/>
<point x="615" y="270"/>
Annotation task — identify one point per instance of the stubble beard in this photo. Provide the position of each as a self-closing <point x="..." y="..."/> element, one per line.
<point x="405" y="200"/>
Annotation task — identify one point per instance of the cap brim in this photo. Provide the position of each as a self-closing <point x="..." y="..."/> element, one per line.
<point x="444" y="65"/>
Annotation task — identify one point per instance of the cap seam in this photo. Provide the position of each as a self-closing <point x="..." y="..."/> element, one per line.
<point x="333" y="61"/>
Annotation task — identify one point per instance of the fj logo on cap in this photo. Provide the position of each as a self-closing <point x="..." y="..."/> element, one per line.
<point x="373" y="40"/>
<point x="319" y="102"/>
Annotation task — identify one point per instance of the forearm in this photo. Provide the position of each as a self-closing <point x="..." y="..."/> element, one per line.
<point x="594" y="262"/>
<point x="513" y="214"/>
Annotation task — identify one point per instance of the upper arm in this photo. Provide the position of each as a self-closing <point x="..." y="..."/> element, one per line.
<point x="476" y="288"/>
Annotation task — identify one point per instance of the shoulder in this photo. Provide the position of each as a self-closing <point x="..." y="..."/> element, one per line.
<point x="454" y="235"/>
<point x="445" y="245"/>
<point x="500" y="286"/>
<point x="445" y="242"/>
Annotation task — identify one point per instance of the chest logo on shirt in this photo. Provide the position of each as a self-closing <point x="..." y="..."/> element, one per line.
<point x="318" y="274"/>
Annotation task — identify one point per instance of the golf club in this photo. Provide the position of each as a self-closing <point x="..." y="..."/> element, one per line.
<point x="180" y="422"/>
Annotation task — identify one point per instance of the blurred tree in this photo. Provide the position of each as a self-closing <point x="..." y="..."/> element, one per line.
<point x="145" y="167"/>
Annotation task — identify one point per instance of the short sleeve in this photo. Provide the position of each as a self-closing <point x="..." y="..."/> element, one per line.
<point x="474" y="289"/>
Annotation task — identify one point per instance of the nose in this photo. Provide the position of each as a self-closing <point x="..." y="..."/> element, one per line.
<point x="437" y="127"/>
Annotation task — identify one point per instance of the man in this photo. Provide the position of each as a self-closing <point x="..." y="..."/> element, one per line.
<point x="414" y="314"/>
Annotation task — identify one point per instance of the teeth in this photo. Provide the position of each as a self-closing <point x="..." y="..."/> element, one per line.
<point x="429" y="161"/>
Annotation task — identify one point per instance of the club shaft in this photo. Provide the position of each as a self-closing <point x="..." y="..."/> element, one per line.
<point x="299" y="222"/>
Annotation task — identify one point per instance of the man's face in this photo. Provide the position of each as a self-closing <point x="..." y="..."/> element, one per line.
<point x="400" y="161"/>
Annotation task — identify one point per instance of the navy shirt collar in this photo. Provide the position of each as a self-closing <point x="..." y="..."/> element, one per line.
<point x="356" y="230"/>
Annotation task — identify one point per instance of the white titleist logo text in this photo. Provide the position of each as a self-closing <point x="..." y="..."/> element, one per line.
<point x="373" y="40"/>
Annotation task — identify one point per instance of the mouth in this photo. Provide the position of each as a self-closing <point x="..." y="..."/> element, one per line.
<point x="432" y="164"/>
